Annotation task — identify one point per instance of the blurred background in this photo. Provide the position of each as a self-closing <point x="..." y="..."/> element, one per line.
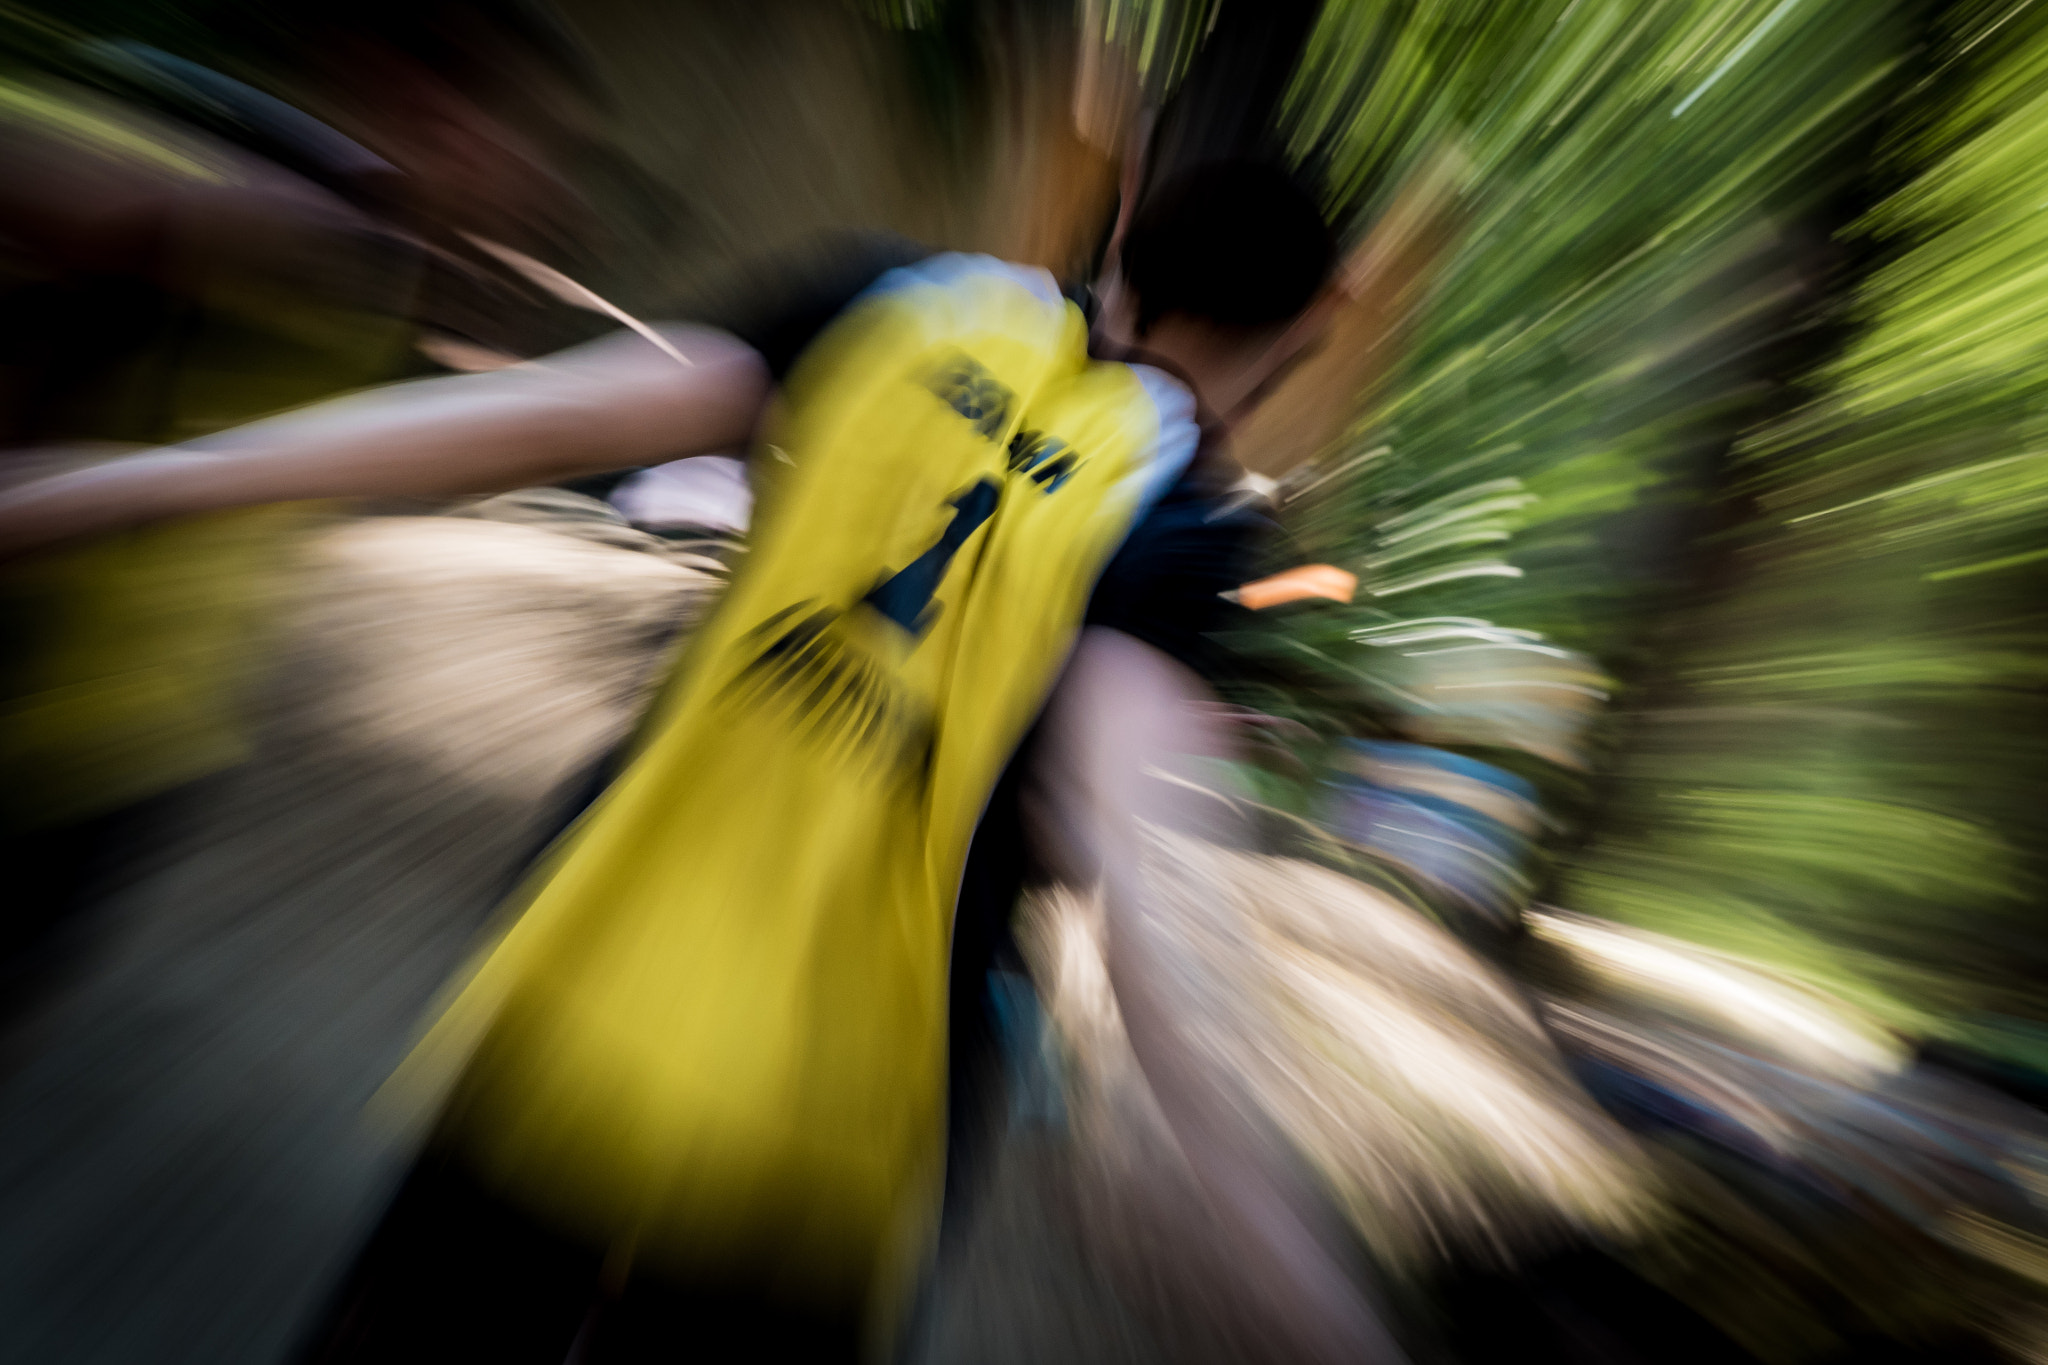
<point x="1650" y="945"/>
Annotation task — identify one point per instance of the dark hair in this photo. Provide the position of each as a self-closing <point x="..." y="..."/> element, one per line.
<point x="1240" y="243"/>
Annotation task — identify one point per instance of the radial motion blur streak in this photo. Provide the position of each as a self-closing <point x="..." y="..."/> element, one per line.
<point x="1619" y="918"/>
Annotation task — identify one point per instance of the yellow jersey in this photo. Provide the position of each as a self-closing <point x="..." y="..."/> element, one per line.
<point x="715" y="1031"/>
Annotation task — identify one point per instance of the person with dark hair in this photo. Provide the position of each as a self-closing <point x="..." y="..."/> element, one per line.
<point x="697" y="1090"/>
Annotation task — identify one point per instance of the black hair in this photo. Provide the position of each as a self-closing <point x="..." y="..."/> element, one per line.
<point x="1240" y="243"/>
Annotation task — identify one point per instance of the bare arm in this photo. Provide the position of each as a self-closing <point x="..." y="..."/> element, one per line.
<point x="1122" y="723"/>
<point x="610" y="404"/>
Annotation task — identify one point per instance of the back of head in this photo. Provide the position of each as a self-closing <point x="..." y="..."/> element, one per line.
<point x="1239" y="244"/>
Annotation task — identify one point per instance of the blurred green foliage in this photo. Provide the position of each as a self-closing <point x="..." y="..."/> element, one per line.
<point x="1729" y="376"/>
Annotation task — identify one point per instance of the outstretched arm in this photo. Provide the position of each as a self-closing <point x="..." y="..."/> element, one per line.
<point x="610" y="404"/>
<point x="1112" y="759"/>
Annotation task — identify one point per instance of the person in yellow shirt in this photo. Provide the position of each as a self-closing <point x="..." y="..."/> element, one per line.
<point x="699" y="1078"/>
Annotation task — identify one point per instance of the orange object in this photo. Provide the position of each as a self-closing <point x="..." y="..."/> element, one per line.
<point x="1310" y="580"/>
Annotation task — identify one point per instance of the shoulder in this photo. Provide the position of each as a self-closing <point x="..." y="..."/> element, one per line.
<point x="1165" y="585"/>
<point x="968" y="272"/>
